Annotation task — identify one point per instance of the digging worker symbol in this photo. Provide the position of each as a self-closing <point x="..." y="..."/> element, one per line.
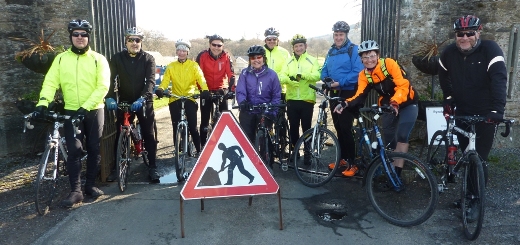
<point x="234" y="161"/>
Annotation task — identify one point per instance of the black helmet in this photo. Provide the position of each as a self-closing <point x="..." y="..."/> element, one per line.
<point x="79" y="24"/>
<point x="215" y="37"/>
<point x="298" y="38"/>
<point x="256" y="50"/>
<point x="368" y="45"/>
<point x="341" y="26"/>
<point x="271" y="32"/>
<point x="468" y="22"/>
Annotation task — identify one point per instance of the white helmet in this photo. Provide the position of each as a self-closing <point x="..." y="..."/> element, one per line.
<point x="133" y="31"/>
<point x="368" y="45"/>
<point x="182" y="44"/>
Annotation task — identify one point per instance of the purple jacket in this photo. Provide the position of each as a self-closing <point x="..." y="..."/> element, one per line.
<point x="258" y="87"/>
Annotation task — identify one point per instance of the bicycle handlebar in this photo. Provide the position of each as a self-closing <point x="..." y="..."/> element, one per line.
<point x="477" y="119"/>
<point x="377" y="109"/>
<point x="169" y="94"/>
<point x="52" y="116"/>
<point x="321" y="92"/>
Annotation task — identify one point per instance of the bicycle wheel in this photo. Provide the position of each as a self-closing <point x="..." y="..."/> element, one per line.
<point x="181" y="152"/>
<point x="318" y="152"/>
<point x="437" y="158"/>
<point x="262" y="146"/>
<point x="123" y="159"/>
<point x="414" y="203"/>
<point x="473" y="197"/>
<point x="47" y="178"/>
<point x="284" y="144"/>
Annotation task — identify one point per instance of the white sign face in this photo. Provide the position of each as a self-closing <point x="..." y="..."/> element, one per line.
<point x="435" y="121"/>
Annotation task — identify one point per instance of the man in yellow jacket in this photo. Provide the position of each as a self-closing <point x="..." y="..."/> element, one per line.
<point x="301" y="70"/>
<point x="186" y="79"/>
<point x="84" y="78"/>
<point x="276" y="56"/>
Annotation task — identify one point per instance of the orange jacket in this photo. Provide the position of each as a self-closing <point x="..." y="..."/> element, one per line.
<point x="392" y="87"/>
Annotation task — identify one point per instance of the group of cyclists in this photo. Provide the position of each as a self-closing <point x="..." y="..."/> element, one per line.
<point x="89" y="83"/>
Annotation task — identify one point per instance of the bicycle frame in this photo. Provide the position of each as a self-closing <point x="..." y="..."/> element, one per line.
<point x="389" y="168"/>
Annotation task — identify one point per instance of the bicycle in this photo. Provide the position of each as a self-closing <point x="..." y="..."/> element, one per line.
<point x="216" y="99"/>
<point x="404" y="200"/>
<point x="275" y="137"/>
<point x="53" y="162"/>
<point x="184" y="145"/>
<point x="320" y="146"/>
<point x="130" y="142"/>
<point x="365" y="148"/>
<point x="446" y="165"/>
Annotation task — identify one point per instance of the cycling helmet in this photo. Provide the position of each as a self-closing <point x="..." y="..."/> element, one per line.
<point x="271" y="32"/>
<point x="79" y="24"/>
<point x="368" y="45"/>
<point x="215" y="37"/>
<point x="468" y="22"/>
<point x="134" y="32"/>
<point x="298" y="38"/>
<point x="182" y="44"/>
<point x="256" y="50"/>
<point x="341" y="26"/>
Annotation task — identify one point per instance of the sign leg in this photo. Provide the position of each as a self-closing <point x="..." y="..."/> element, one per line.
<point x="182" y="217"/>
<point x="280" y="208"/>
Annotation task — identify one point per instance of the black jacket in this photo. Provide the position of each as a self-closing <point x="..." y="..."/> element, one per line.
<point x="478" y="81"/>
<point x="136" y="76"/>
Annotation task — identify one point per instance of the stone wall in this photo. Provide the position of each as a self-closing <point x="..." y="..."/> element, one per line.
<point x="26" y="19"/>
<point x="428" y="20"/>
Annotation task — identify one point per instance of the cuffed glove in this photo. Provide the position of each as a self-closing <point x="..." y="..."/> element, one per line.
<point x="395" y="107"/>
<point x="230" y="95"/>
<point x="292" y="78"/>
<point x="494" y="117"/>
<point x="205" y="95"/>
<point x="447" y="107"/>
<point x="138" y="104"/>
<point x="111" y="104"/>
<point x="80" y="114"/>
<point x="159" y="92"/>
<point x="245" y="106"/>
<point x="39" y="112"/>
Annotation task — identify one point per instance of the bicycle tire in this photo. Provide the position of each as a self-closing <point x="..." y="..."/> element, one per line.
<point x="314" y="171"/>
<point x="262" y="146"/>
<point x="47" y="179"/>
<point x="123" y="159"/>
<point x="284" y="144"/>
<point x="437" y="157"/>
<point x="181" y="151"/>
<point x="414" y="203"/>
<point x="472" y="228"/>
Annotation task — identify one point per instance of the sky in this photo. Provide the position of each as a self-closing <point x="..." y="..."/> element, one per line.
<point x="235" y="19"/>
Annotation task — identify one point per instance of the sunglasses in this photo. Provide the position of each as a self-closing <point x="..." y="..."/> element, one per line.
<point x="271" y="39"/>
<point x="131" y="40"/>
<point x="256" y="57"/>
<point x="216" y="45"/>
<point x="77" y="34"/>
<point x="468" y="34"/>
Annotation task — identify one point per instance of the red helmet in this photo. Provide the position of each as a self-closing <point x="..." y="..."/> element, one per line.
<point x="468" y="22"/>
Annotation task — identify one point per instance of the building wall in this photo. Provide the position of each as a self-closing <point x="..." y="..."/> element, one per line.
<point x="26" y="18"/>
<point x="423" y="21"/>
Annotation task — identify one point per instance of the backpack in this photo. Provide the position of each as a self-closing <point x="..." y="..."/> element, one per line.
<point x="385" y="71"/>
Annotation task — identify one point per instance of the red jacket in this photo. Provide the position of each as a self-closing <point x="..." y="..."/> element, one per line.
<point x="217" y="72"/>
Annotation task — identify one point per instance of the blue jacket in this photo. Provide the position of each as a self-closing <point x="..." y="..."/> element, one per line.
<point x="258" y="87"/>
<point x="341" y="67"/>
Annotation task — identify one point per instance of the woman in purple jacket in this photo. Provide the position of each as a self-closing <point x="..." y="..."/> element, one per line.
<point x="256" y="85"/>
